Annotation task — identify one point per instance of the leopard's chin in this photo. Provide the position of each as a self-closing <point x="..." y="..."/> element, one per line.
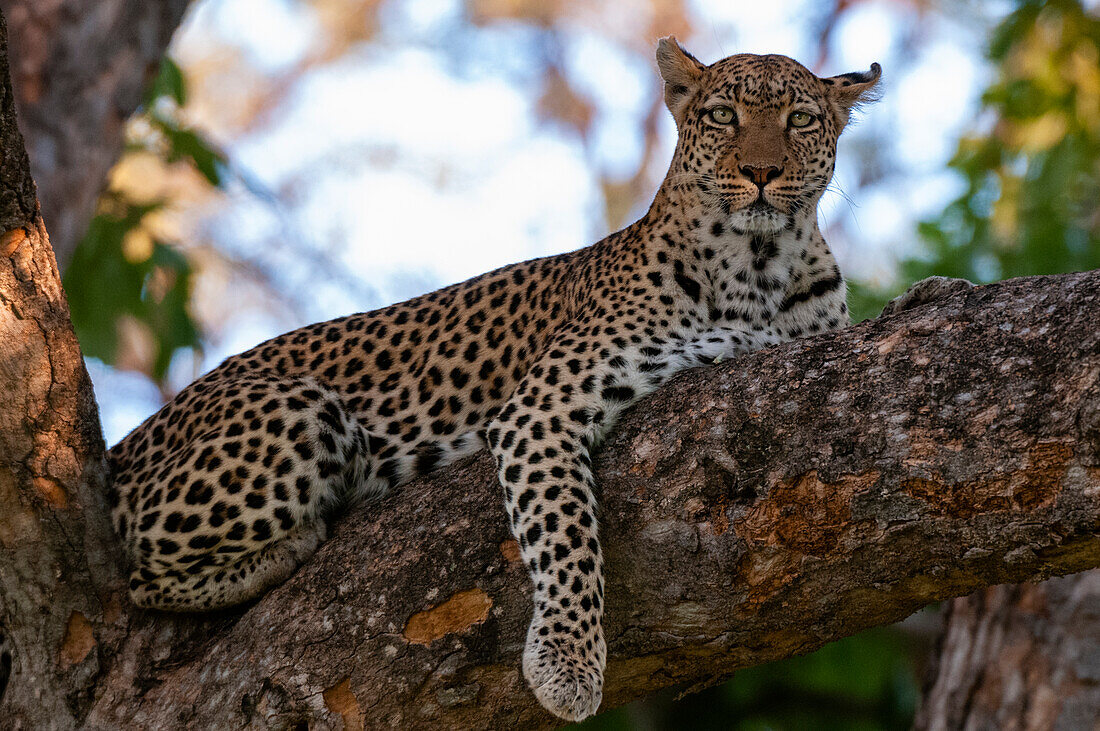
<point x="759" y="218"/>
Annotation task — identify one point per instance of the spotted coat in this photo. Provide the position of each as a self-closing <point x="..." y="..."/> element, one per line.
<point x="227" y="489"/>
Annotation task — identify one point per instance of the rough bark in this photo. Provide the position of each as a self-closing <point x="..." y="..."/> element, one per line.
<point x="1018" y="657"/>
<point x="80" y="67"/>
<point x="751" y="511"/>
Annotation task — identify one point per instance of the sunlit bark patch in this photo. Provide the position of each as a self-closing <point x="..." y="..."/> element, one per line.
<point x="461" y="611"/>
<point x="78" y="642"/>
<point x="340" y="700"/>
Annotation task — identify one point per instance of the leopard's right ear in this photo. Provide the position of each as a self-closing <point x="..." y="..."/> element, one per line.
<point x="682" y="73"/>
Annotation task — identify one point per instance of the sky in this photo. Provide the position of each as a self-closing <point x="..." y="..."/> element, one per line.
<point x="412" y="165"/>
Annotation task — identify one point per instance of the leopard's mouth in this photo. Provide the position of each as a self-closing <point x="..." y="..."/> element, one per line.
<point x="757" y="207"/>
<point x="761" y="207"/>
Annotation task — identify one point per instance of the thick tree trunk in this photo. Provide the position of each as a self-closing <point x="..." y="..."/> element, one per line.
<point x="80" y="67"/>
<point x="1018" y="658"/>
<point x="751" y="511"/>
<point x="58" y="560"/>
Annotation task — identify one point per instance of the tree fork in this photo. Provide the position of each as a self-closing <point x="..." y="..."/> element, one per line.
<point x="750" y="511"/>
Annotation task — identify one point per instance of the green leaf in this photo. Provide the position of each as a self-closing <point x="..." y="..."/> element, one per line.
<point x="186" y="144"/>
<point x="169" y="82"/>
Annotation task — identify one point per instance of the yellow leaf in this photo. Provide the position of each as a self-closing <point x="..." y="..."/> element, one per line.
<point x="137" y="245"/>
<point x="1042" y="133"/>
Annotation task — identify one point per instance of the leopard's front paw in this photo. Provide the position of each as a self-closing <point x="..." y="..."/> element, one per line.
<point x="565" y="675"/>
<point x="926" y="290"/>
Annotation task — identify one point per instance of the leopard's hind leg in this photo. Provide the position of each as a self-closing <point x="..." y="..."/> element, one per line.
<point x="205" y="585"/>
<point x="227" y="494"/>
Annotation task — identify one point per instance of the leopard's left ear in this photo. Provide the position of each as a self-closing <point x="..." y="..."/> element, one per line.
<point x="850" y="91"/>
<point x="681" y="72"/>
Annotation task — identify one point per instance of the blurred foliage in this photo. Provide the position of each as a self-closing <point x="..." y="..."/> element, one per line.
<point x="122" y="282"/>
<point x="129" y="288"/>
<point x="866" y="301"/>
<point x="864" y="682"/>
<point x="1031" y="181"/>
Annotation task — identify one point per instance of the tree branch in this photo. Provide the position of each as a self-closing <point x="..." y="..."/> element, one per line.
<point x="751" y="511"/>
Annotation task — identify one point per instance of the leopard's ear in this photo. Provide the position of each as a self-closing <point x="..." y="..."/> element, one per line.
<point x="850" y="91"/>
<point x="682" y="73"/>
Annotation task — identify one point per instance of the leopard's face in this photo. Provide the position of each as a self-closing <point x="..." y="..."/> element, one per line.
<point x="757" y="134"/>
<point x="764" y="137"/>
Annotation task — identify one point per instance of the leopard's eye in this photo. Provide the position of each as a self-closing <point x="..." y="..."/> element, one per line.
<point x="721" y="115"/>
<point x="800" y="119"/>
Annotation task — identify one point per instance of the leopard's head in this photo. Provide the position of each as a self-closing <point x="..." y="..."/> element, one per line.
<point x="757" y="134"/>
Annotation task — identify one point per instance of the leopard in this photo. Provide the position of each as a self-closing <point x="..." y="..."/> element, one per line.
<point x="232" y="485"/>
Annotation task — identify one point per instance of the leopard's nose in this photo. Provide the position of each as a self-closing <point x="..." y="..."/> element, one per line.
<point x="761" y="175"/>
